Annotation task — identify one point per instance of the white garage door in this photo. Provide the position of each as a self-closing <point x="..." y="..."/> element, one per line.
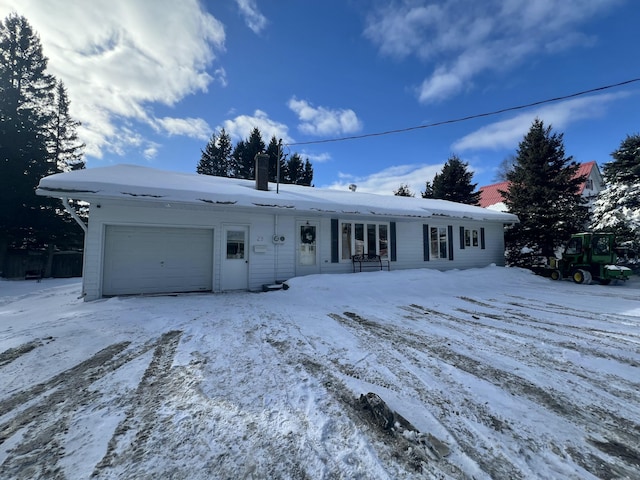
<point x="157" y="260"/>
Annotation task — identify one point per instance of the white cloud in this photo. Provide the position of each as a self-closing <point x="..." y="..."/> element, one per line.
<point x="240" y="127"/>
<point x="506" y="134"/>
<point x="322" y="121"/>
<point x="118" y="57"/>
<point x="389" y="179"/>
<point x="465" y="38"/>
<point x="252" y="16"/>
<point x="189" y="127"/>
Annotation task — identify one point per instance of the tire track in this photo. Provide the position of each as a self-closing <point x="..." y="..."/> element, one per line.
<point x="13" y="354"/>
<point x="476" y="447"/>
<point x="142" y="417"/>
<point x="614" y="427"/>
<point x="42" y="413"/>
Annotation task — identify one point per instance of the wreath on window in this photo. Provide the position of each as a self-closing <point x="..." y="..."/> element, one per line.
<point x="308" y="235"/>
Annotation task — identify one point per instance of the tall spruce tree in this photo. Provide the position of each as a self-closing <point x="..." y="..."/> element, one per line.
<point x="66" y="148"/>
<point x="617" y="208"/>
<point x="26" y="115"/>
<point x="307" y="174"/>
<point x="544" y="194"/>
<point x="453" y="183"/>
<point x="216" y="157"/>
<point x="245" y="152"/>
<point x="276" y="155"/>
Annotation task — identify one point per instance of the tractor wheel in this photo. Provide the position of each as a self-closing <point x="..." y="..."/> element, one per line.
<point x="587" y="277"/>
<point x="556" y="275"/>
<point x="578" y="276"/>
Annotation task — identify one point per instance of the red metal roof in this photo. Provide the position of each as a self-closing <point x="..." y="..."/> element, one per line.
<point x="489" y="194"/>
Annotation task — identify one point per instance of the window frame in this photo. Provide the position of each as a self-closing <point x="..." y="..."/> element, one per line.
<point x="368" y="228"/>
<point x="439" y="247"/>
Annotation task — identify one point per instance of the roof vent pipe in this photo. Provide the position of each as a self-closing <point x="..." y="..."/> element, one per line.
<point x="262" y="171"/>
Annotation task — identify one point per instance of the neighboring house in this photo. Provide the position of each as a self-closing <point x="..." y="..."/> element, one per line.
<point x="491" y="198"/>
<point x="153" y="231"/>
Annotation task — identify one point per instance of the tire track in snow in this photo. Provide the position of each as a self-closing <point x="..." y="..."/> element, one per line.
<point x="381" y="339"/>
<point x="557" y="402"/>
<point x="38" y="418"/>
<point x="13" y="354"/>
<point x="623" y="389"/>
<point x="142" y="416"/>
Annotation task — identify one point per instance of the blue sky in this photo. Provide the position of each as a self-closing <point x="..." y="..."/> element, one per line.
<point x="151" y="81"/>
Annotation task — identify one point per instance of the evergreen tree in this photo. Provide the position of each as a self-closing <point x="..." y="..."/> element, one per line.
<point x="294" y="169"/>
<point x="245" y="152"/>
<point x="274" y="150"/>
<point x="222" y="159"/>
<point x="403" y="191"/>
<point x="216" y="157"/>
<point x="617" y="208"/>
<point x="544" y="194"/>
<point x="66" y="148"/>
<point x="307" y="174"/>
<point x="453" y="183"/>
<point x="428" y="190"/>
<point x="26" y="115"/>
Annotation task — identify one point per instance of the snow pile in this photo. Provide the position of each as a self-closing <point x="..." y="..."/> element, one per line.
<point x="486" y="373"/>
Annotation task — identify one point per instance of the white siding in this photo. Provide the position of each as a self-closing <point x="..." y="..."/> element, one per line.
<point x="268" y="261"/>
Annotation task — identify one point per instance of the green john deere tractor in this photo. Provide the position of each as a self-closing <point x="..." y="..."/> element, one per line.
<point x="587" y="257"/>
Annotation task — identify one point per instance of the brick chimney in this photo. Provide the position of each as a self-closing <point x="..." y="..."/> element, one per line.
<point x="262" y="171"/>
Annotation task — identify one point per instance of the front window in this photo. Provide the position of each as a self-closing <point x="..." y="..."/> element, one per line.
<point x="471" y="238"/>
<point x="439" y="243"/>
<point x="363" y="239"/>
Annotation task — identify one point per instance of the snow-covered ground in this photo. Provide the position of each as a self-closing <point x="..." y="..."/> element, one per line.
<point x="492" y="373"/>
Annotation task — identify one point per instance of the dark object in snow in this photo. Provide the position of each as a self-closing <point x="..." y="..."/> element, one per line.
<point x="395" y="424"/>
<point x="276" y="286"/>
<point x="382" y="415"/>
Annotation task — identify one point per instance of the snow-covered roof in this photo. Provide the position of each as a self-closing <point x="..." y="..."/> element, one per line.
<point x="151" y="185"/>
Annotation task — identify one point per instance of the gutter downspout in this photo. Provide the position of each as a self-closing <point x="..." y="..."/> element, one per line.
<point x="72" y="212"/>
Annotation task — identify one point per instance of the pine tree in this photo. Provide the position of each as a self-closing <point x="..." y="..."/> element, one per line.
<point x="294" y="169"/>
<point x="245" y="152"/>
<point x="453" y="183"/>
<point x="216" y="157"/>
<point x="274" y="150"/>
<point x="307" y="174"/>
<point x="403" y="191"/>
<point x="617" y="208"/>
<point x="26" y="115"/>
<point x="66" y="148"/>
<point x="544" y="194"/>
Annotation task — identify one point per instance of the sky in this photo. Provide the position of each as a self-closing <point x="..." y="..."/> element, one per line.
<point x="151" y="82"/>
<point x="497" y="373"/>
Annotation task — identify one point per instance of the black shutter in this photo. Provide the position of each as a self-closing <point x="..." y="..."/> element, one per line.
<point x="334" y="241"/>
<point x="482" y="238"/>
<point x="425" y="242"/>
<point x="450" y="235"/>
<point x="392" y="233"/>
<point x="461" y="238"/>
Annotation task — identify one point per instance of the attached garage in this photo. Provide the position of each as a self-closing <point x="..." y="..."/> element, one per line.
<point x="157" y="260"/>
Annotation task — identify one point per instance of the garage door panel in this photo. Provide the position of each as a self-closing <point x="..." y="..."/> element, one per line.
<point x="157" y="260"/>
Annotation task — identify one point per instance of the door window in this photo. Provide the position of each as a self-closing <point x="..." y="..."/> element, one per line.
<point x="235" y="244"/>
<point x="307" y="245"/>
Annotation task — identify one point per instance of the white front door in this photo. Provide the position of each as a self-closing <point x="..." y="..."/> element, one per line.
<point x="235" y="258"/>
<point x="307" y="262"/>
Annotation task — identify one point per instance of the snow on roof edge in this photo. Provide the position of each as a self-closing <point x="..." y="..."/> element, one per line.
<point x="147" y="184"/>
